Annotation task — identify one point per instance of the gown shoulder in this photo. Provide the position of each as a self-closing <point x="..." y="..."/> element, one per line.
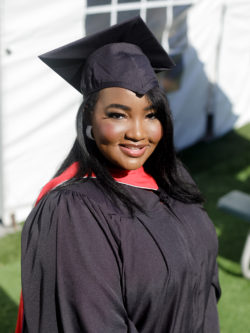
<point x="71" y="274"/>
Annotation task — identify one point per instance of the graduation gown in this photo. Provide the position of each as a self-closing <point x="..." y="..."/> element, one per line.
<point x="88" y="266"/>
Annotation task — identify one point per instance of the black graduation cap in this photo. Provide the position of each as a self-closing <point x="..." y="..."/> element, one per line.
<point x="125" y="55"/>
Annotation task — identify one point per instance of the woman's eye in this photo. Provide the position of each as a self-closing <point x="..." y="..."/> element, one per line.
<point x="116" y="115"/>
<point x="151" y="115"/>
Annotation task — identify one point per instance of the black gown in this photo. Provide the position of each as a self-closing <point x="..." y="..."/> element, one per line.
<point x="88" y="266"/>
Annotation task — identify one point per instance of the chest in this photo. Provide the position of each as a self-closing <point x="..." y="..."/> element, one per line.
<point x="166" y="256"/>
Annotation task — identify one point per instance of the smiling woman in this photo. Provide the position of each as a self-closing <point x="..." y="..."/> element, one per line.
<point x="119" y="241"/>
<point x="125" y="127"/>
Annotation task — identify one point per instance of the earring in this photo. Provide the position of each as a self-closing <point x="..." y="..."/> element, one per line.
<point x="89" y="132"/>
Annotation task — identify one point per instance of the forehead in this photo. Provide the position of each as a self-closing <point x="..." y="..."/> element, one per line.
<point x="117" y="95"/>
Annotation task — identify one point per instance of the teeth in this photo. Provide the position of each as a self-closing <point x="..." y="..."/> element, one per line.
<point x="134" y="148"/>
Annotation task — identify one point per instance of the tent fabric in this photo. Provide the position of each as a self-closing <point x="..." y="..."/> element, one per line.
<point x="39" y="109"/>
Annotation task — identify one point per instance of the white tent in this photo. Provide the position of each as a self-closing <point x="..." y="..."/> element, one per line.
<point x="38" y="108"/>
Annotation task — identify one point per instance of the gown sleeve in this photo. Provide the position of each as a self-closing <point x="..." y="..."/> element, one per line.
<point x="71" y="280"/>
<point x="211" y="322"/>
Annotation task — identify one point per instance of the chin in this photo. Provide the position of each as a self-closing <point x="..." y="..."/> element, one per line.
<point x="130" y="166"/>
<point x="133" y="167"/>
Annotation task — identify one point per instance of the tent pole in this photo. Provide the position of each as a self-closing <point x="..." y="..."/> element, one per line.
<point x="211" y="110"/>
<point x="1" y="117"/>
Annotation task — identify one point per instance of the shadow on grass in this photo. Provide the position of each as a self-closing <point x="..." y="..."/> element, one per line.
<point x="219" y="167"/>
<point x="8" y="313"/>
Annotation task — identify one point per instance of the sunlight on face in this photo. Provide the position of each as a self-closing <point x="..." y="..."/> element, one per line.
<point x="125" y="127"/>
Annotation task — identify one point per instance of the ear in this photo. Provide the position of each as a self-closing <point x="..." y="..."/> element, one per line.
<point x="89" y="132"/>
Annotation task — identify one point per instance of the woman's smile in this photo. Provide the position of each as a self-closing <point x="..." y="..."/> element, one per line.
<point x="133" y="150"/>
<point x="125" y="127"/>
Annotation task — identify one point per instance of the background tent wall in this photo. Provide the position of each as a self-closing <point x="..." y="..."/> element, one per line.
<point x="38" y="107"/>
<point x="1" y="118"/>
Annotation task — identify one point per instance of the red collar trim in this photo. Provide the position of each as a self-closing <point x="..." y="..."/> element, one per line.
<point x="137" y="178"/>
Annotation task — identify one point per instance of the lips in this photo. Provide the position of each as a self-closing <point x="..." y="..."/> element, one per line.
<point x="133" y="150"/>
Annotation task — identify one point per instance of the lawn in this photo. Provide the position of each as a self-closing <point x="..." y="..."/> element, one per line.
<point x="217" y="167"/>
<point x="10" y="285"/>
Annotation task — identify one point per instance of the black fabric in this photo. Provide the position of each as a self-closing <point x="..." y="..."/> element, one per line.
<point x="117" y="65"/>
<point x="88" y="266"/>
<point x="97" y="59"/>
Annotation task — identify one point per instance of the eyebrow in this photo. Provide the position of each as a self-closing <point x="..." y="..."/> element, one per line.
<point x="127" y="108"/>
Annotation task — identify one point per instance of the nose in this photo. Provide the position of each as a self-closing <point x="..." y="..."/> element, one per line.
<point x="135" y="131"/>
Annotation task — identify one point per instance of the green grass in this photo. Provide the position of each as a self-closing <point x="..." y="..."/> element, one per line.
<point x="10" y="284"/>
<point x="218" y="167"/>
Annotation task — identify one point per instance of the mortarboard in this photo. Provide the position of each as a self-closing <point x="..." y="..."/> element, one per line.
<point x="125" y="55"/>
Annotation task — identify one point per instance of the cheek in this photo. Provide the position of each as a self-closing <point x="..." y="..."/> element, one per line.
<point x="108" y="132"/>
<point x="156" y="132"/>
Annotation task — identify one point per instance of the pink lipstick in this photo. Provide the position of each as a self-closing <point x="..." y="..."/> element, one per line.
<point x="133" y="150"/>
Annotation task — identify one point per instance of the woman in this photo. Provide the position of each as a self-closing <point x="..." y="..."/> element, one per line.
<point x="118" y="240"/>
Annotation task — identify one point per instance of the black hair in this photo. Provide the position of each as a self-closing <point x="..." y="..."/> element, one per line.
<point x="171" y="176"/>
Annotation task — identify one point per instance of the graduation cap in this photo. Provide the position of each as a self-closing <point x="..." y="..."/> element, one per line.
<point x="125" y="55"/>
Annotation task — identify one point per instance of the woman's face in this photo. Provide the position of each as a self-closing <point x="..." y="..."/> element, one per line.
<point x="125" y="127"/>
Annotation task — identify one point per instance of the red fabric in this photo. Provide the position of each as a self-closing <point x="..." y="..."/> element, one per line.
<point x="69" y="173"/>
<point x="137" y="178"/>
<point x="19" y="324"/>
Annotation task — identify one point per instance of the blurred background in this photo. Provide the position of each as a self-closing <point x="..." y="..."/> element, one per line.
<point x="208" y="91"/>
